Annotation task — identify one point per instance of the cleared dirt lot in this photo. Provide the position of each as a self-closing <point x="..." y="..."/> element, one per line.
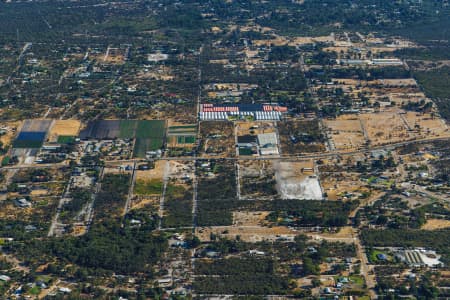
<point x="407" y="82"/>
<point x="395" y="125"/>
<point x="400" y="98"/>
<point x="296" y="180"/>
<point x="156" y="173"/>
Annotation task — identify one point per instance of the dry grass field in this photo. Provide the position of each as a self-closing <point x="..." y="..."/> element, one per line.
<point x="385" y="128"/>
<point x="249" y="218"/>
<point x="250" y="234"/>
<point x="338" y="185"/>
<point x="433" y="224"/>
<point x="64" y="128"/>
<point x="346" y="132"/>
<point x="156" y="173"/>
<point x="425" y="126"/>
<point x="254" y="128"/>
<point x="11" y="130"/>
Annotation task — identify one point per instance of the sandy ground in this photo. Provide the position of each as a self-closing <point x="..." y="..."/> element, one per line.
<point x="433" y="224"/>
<point x="249" y="218"/>
<point x="336" y="185"/>
<point x="295" y="180"/>
<point x="254" y="128"/>
<point x="246" y="233"/>
<point x="64" y="127"/>
<point x="392" y="126"/>
<point x="11" y="130"/>
<point x="398" y="82"/>
<point x="179" y="170"/>
<point x="400" y="98"/>
<point x="39" y="192"/>
<point x="146" y="202"/>
<point x="156" y="173"/>
<point x="278" y="41"/>
<point x="250" y="168"/>
<point x="309" y="40"/>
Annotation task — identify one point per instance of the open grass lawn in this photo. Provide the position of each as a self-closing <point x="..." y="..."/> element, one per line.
<point x="148" y="187"/>
<point x="373" y="256"/>
<point x="245" y="151"/>
<point x="185" y="139"/>
<point x="5" y="160"/>
<point x="357" y="279"/>
<point x="65" y="139"/>
<point x="35" y="290"/>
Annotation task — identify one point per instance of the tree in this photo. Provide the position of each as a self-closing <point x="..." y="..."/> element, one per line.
<point x="309" y="267"/>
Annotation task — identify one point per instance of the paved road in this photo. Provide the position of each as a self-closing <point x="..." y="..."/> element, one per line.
<point x="300" y="157"/>
<point x="284" y="157"/>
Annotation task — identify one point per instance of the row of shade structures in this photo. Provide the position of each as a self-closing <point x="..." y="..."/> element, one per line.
<point x="258" y="115"/>
<point x="267" y="115"/>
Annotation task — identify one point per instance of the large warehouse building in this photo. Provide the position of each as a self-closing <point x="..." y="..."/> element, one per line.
<point x="259" y="112"/>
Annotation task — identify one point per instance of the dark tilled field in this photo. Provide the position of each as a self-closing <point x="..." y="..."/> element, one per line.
<point x="104" y="129"/>
<point x="36" y="125"/>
